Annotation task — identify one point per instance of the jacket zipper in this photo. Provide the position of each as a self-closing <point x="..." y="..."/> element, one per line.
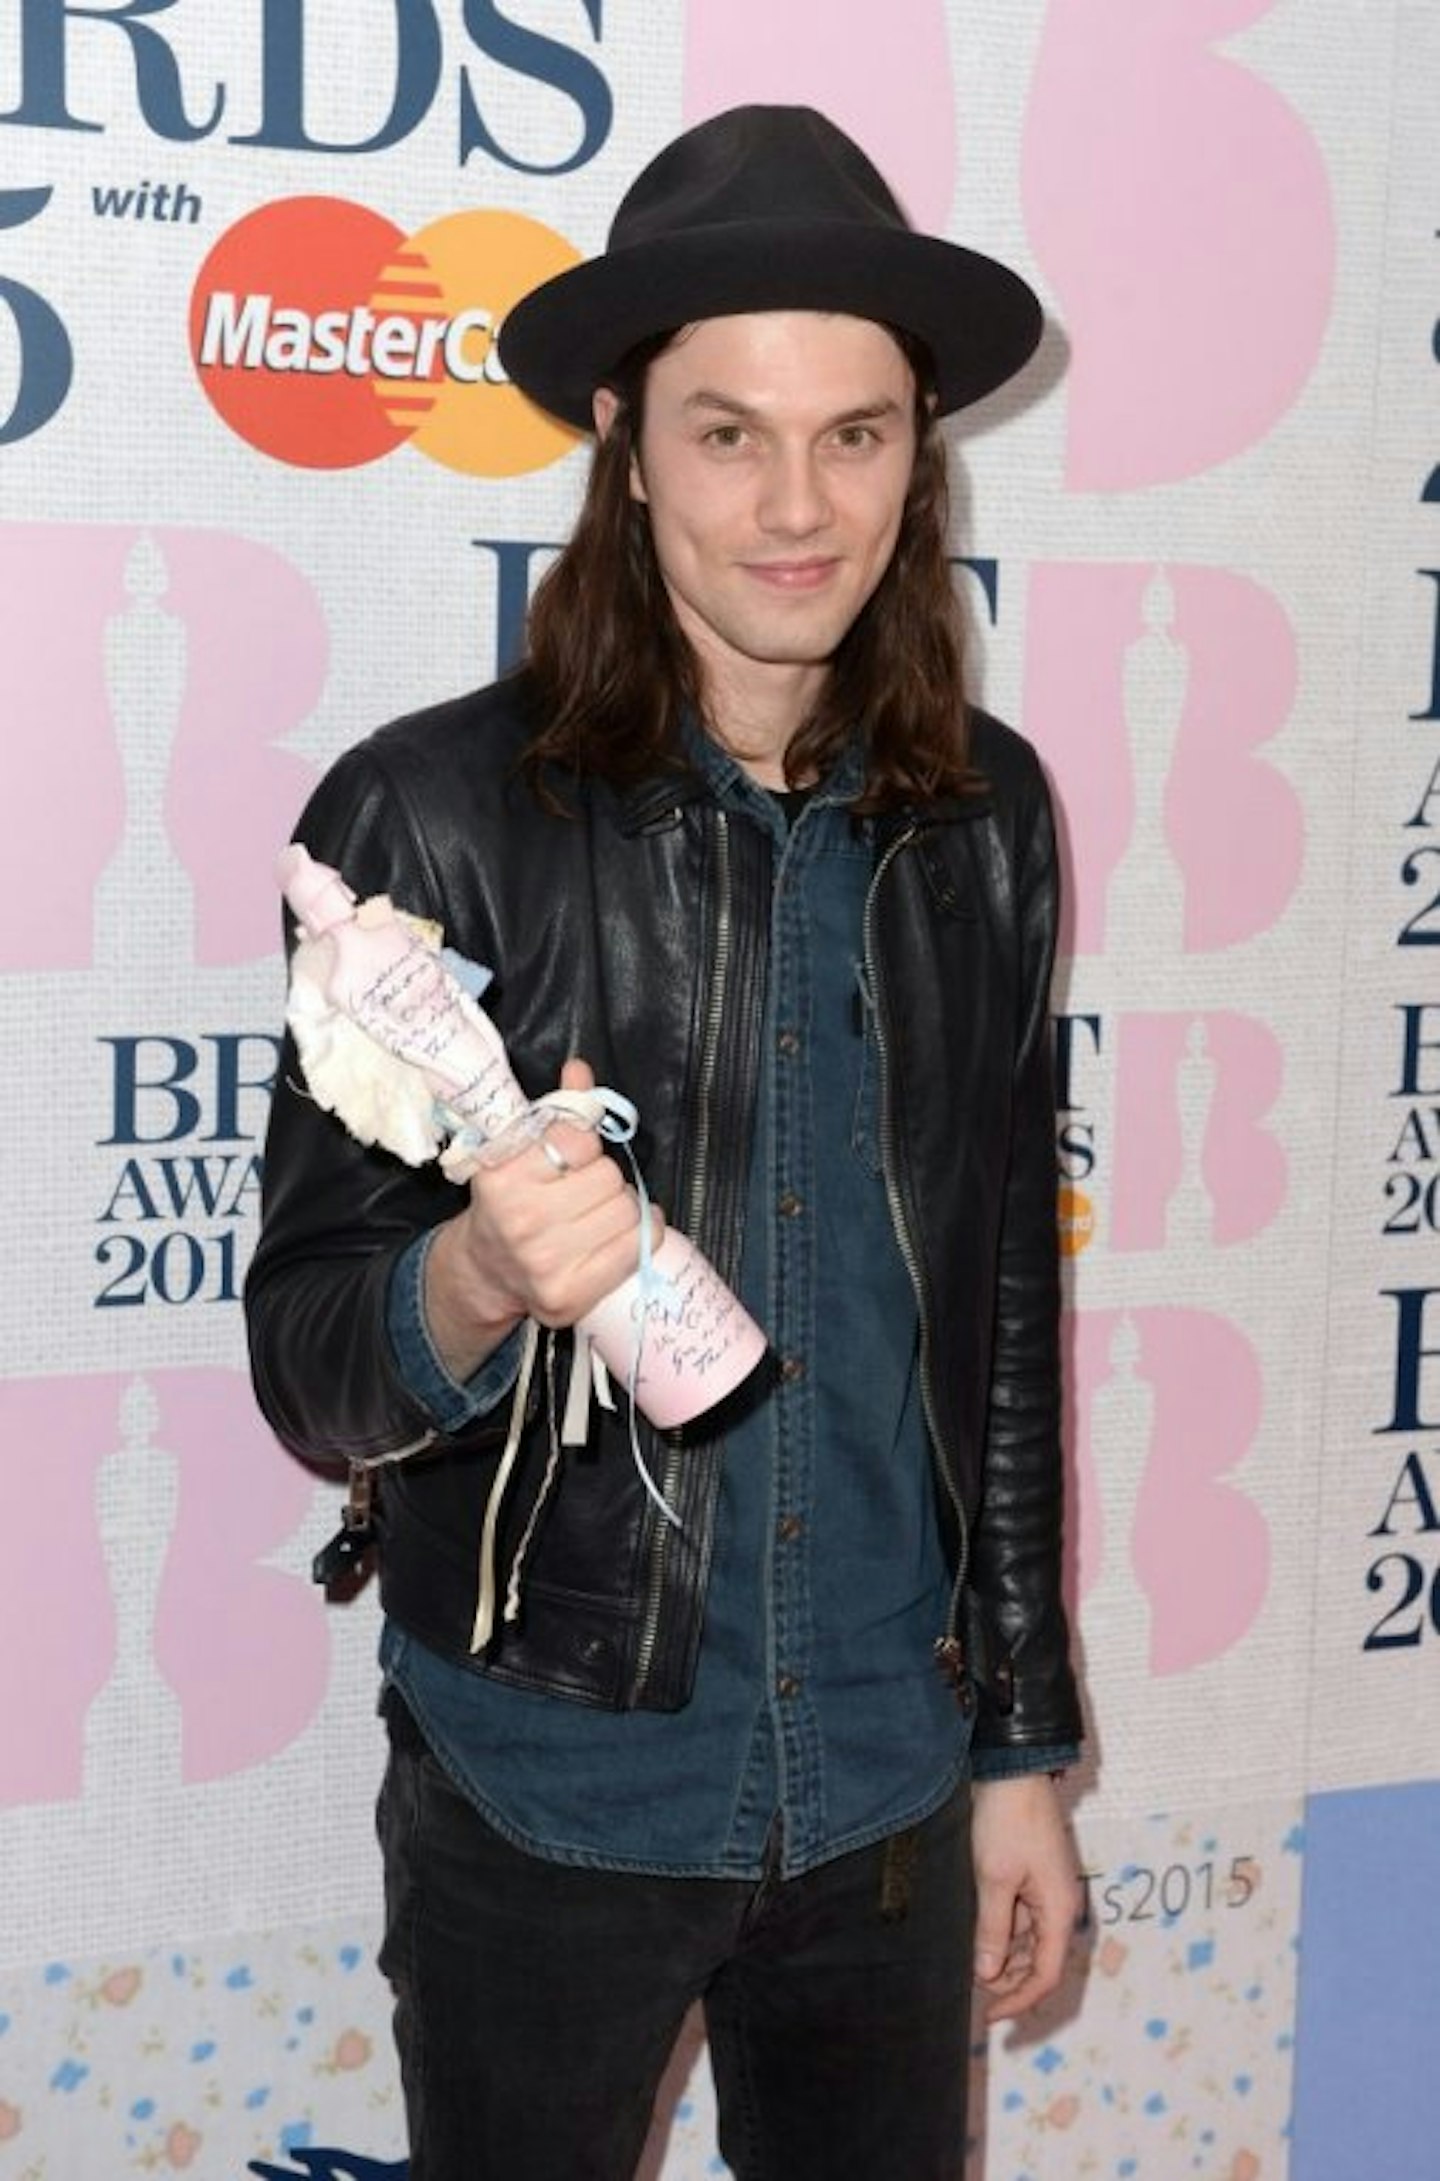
<point x="694" y="1210"/>
<point x="949" y="1648"/>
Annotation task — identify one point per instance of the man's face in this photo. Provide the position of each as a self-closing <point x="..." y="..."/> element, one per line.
<point x="774" y="458"/>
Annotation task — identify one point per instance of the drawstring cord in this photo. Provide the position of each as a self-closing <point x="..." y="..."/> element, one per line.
<point x="484" y="1626"/>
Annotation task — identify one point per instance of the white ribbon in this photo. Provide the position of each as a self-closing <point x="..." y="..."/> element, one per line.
<point x="616" y="1119"/>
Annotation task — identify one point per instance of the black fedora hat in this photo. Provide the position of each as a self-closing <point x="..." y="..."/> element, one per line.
<point x="766" y="208"/>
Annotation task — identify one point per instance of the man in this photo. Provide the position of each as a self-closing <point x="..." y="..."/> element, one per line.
<point x="733" y="844"/>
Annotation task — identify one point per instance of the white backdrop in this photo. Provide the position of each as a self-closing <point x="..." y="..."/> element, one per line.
<point x="240" y="524"/>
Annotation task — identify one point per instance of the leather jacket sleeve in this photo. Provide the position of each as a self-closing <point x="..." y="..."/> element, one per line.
<point x="1017" y="1616"/>
<point x="337" y="1215"/>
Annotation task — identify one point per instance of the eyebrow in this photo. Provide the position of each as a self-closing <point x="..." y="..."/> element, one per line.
<point x="707" y="400"/>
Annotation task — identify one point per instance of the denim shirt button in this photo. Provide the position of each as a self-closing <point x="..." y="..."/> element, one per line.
<point x="790" y="1205"/>
<point x="787" y="1684"/>
<point x="788" y="1043"/>
<point x="792" y="1369"/>
<point x="788" y="1528"/>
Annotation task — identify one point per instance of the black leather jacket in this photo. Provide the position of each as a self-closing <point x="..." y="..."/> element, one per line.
<point x="634" y="932"/>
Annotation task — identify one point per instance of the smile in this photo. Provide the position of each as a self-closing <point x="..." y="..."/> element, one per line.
<point x="792" y="575"/>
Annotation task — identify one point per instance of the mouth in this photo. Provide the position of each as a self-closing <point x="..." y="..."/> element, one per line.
<point x="792" y="575"/>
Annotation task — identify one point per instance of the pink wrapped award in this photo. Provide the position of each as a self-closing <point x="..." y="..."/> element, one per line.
<point x="394" y="1044"/>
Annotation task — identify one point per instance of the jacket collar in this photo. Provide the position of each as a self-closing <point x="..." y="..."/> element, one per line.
<point x="707" y="772"/>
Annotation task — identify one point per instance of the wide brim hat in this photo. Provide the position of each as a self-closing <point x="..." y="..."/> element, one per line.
<point x="766" y="208"/>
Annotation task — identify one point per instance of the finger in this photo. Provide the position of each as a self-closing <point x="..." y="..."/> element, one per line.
<point x="569" y="1144"/>
<point x="543" y="1204"/>
<point x="551" y="1146"/>
<point x="594" y="1255"/>
<point x="1053" y="1934"/>
<point x="1034" y="1971"/>
<point x="1016" y="1998"/>
<point x="994" y="1929"/>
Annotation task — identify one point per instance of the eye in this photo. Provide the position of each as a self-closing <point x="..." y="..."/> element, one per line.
<point x="853" y="437"/>
<point x="725" y="437"/>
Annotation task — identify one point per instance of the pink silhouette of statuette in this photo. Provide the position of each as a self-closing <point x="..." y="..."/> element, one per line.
<point x="394" y="1044"/>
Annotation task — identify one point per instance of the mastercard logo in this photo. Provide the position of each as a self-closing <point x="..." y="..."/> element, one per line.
<point x="326" y="337"/>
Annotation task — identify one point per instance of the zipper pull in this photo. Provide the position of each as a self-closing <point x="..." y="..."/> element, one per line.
<point x="950" y="1658"/>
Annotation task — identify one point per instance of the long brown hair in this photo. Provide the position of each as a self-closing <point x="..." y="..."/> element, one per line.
<point x="612" y="671"/>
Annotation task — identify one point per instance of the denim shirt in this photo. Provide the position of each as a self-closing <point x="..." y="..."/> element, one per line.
<point x="819" y="1720"/>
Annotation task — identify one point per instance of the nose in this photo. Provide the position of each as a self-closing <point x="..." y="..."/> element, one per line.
<point x="794" y="501"/>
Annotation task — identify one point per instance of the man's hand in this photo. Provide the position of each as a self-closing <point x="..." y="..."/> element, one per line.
<point x="1027" y="1891"/>
<point x="542" y="1237"/>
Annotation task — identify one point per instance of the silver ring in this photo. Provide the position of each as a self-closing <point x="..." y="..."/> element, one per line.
<point x="555" y="1155"/>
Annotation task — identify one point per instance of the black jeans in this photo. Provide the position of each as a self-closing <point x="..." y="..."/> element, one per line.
<point x="537" y="2004"/>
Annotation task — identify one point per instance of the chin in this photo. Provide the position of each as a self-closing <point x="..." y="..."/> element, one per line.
<point x="814" y="646"/>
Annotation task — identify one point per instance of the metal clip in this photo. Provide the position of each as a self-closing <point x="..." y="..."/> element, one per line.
<point x="341" y="1559"/>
